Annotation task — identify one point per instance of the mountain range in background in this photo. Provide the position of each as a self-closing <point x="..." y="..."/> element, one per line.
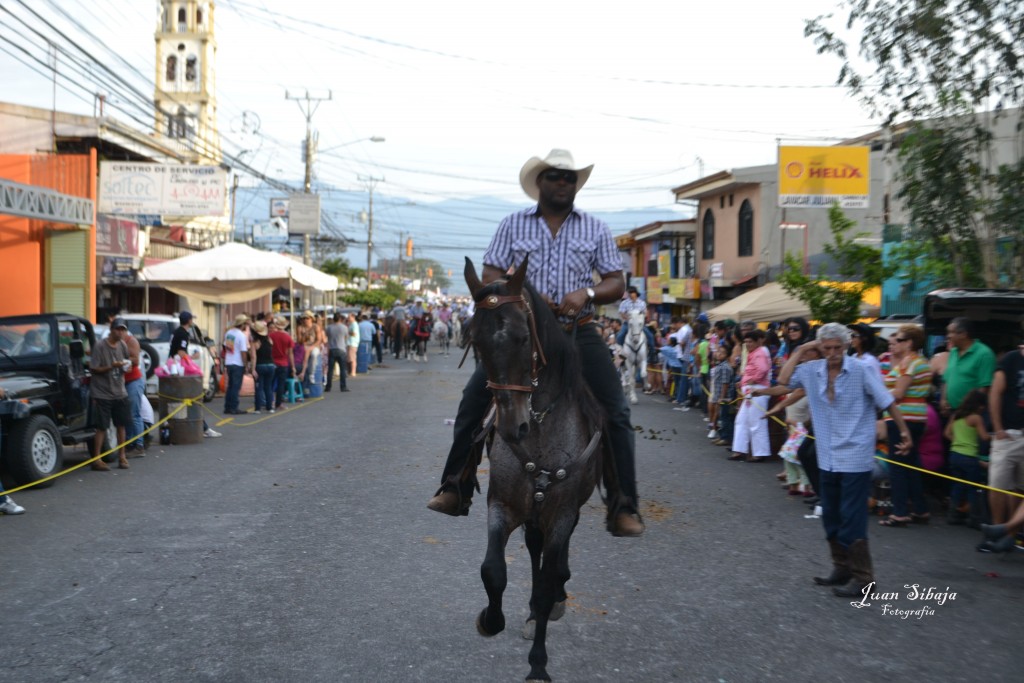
<point x="445" y="231"/>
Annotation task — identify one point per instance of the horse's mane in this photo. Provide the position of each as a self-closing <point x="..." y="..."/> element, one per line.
<point x="559" y="349"/>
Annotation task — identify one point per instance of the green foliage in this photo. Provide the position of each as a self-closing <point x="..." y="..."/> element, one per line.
<point x="341" y="269"/>
<point x="941" y="61"/>
<point x="831" y="303"/>
<point x="912" y="53"/>
<point x="381" y="298"/>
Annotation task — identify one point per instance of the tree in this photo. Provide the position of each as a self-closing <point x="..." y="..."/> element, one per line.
<point x="861" y="265"/>
<point x="381" y="298"/>
<point x="340" y="268"/>
<point x="930" y="66"/>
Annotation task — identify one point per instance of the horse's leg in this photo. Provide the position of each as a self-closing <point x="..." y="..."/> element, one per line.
<point x="643" y="370"/>
<point x="535" y="544"/>
<point x="554" y="573"/>
<point x="494" y="571"/>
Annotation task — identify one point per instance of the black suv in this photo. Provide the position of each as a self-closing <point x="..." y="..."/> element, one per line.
<point x="997" y="314"/>
<point x="44" y="393"/>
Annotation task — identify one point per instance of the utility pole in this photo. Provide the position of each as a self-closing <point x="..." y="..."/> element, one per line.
<point x="310" y="107"/>
<point x="371" y="183"/>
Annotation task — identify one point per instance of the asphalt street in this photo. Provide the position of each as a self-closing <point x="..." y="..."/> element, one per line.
<point x="299" y="548"/>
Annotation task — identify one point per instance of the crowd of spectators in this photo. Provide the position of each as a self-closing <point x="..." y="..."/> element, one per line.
<point x="963" y="408"/>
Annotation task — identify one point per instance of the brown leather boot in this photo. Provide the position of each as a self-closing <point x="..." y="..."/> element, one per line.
<point x="447" y="501"/>
<point x="100" y="466"/>
<point x="627" y="524"/>
<point x="840" y="567"/>
<point x="861" y="571"/>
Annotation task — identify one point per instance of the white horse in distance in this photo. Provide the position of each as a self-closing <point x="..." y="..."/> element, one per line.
<point x="634" y="354"/>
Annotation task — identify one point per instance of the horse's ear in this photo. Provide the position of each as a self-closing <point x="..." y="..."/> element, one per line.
<point x="471" y="278"/>
<point x="515" y="283"/>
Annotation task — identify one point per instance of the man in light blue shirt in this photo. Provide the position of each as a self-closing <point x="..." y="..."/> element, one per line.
<point x="845" y="397"/>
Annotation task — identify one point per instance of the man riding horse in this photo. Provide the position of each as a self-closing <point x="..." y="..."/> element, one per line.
<point x="565" y="247"/>
<point x="631" y="303"/>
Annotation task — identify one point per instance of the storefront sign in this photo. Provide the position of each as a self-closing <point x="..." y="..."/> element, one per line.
<point x="164" y="189"/>
<point x="818" y="177"/>
<point x="279" y="207"/>
<point x="304" y="214"/>
<point x="272" y="233"/>
<point x="116" y="236"/>
<point x="116" y="270"/>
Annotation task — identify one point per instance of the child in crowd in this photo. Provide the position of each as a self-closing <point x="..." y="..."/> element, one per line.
<point x="964" y="432"/>
<point x="673" y="366"/>
<point x="722" y="376"/>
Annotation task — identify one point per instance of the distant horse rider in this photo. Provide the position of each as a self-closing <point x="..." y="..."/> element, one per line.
<point x="631" y="303"/>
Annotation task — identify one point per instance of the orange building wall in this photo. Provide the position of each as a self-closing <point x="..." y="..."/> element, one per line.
<point x="22" y="269"/>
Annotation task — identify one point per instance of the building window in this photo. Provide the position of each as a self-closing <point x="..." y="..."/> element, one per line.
<point x="182" y="21"/>
<point x="721" y="202"/>
<point x="190" y="68"/>
<point x="708" y="235"/>
<point x="730" y="200"/>
<point x="199" y="17"/>
<point x="176" y="124"/>
<point x="652" y="265"/>
<point x="746" y="236"/>
<point x="171" y="73"/>
<point x="689" y="258"/>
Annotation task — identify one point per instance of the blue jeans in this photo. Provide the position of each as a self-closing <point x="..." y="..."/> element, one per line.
<point x="969" y="468"/>
<point x="136" y="395"/>
<point x="844" y="505"/>
<point x="906" y="483"/>
<point x="281" y="375"/>
<point x="235" y="373"/>
<point x="265" y="386"/>
<point x="726" y="421"/>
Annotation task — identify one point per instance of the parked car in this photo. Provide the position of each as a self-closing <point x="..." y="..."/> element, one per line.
<point x="997" y="314"/>
<point x="44" y="395"/>
<point x="154" y="334"/>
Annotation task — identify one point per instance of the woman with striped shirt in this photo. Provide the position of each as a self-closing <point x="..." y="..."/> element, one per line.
<point x="909" y="380"/>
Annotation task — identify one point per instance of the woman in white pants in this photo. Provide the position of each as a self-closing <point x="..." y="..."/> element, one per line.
<point x="750" y="435"/>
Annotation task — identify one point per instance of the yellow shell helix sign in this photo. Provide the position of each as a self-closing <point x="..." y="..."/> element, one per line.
<point x="818" y="177"/>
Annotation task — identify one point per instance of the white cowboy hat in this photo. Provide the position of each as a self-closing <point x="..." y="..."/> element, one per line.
<point x="556" y="158"/>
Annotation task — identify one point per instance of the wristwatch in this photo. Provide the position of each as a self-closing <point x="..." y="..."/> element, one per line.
<point x="591" y="294"/>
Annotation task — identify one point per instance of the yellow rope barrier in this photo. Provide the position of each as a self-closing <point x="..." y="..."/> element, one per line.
<point x="185" y="403"/>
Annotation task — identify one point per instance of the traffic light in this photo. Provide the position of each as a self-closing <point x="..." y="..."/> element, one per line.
<point x="408" y="248"/>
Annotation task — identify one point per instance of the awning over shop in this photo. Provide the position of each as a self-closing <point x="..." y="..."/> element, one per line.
<point x="234" y="273"/>
<point x="763" y="304"/>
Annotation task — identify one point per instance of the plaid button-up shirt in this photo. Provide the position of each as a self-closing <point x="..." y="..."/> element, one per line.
<point x="844" y="428"/>
<point x="628" y="306"/>
<point x="561" y="263"/>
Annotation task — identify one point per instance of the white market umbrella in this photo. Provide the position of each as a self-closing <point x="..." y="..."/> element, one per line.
<point x="234" y="273"/>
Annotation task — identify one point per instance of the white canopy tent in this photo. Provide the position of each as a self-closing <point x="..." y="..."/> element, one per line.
<point x="764" y="304"/>
<point x="233" y="273"/>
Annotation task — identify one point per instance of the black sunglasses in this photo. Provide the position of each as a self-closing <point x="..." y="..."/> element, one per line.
<point x="794" y="329"/>
<point x="553" y="175"/>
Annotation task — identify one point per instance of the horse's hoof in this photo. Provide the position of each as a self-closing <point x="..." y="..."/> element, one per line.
<point x="557" y="611"/>
<point x="482" y="630"/>
<point x="528" y="628"/>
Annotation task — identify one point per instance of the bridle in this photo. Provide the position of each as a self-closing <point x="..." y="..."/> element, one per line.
<point x="493" y="302"/>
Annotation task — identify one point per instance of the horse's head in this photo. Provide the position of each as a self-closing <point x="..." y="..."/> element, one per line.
<point x="635" y="323"/>
<point x="504" y="340"/>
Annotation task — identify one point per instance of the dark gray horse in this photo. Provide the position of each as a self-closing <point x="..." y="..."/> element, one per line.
<point x="546" y="452"/>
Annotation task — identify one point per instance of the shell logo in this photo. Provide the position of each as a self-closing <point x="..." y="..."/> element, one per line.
<point x="794" y="169"/>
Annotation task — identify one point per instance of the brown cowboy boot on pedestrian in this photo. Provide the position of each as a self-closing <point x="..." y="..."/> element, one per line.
<point x="840" y="566"/>
<point x="860" y="570"/>
<point x="100" y="466"/>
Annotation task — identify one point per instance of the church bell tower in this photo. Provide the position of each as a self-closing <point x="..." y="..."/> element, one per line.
<point x="185" y="95"/>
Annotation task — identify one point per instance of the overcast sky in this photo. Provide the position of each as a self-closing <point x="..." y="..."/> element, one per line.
<point x="464" y="92"/>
